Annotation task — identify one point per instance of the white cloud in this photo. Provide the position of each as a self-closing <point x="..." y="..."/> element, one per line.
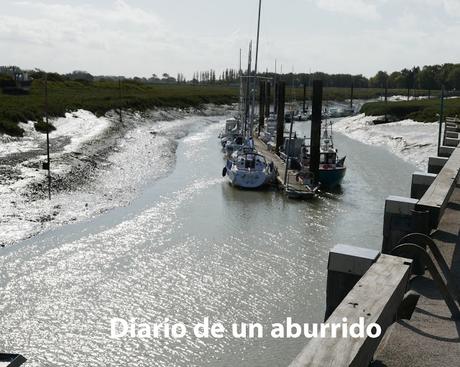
<point x="53" y="24"/>
<point x="360" y="8"/>
<point x="116" y="39"/>
<point x="359" y="36"/>
<point x="452" y="7"/>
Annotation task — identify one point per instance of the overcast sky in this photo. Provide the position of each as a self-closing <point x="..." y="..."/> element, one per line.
<point x="141" y="37"/>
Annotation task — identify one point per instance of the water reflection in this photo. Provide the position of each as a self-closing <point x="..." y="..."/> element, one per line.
<point x="190" y="246"/>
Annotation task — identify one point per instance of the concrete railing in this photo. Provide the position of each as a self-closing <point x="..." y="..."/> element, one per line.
<point x="372" y="287"/>
<point x="430" y="194"/>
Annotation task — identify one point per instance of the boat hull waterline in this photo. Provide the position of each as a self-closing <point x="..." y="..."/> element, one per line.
<point x="331" y="178"/>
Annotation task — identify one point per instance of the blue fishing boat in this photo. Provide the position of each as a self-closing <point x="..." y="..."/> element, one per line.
<point x="331" y="168"/>
<point x="332" y="174"/>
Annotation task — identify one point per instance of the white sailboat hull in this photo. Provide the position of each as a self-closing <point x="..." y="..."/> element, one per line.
<point x="249" y="179"/>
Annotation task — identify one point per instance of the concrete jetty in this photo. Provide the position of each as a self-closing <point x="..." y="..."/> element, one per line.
<point x="432" y="336"/>
<point x="412" y="287"/>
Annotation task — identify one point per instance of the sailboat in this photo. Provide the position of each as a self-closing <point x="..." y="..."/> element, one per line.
<point x="246" y="167"/>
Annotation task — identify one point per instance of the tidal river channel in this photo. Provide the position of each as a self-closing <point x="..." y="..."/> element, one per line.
<point x="190" y="246"/>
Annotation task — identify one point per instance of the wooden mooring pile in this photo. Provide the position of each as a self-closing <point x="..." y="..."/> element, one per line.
<point x="287" y="177"/>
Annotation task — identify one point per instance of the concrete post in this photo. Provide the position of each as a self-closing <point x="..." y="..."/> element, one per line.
<point x="420" y="183"/>
<point x="346" y="265"/>
<point x="397" y="221"/>
<point x="435" y="164"/>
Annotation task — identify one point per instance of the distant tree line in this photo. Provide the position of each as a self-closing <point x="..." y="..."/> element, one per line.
<point x="430" y="77"/>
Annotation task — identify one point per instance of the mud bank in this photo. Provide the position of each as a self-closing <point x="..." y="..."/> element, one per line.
<point x="91" y="164"/>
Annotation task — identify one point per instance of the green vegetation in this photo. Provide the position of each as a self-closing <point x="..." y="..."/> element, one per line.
<point x="342" y="94"/>
<point x="425" y="110"/>
<point x="44" y="127"/>
<point x="429" y="77"/>
<point x="100" y="97"/>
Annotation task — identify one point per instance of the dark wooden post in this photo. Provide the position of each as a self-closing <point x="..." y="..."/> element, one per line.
<point x="304" y="95"/>
<point x="267" y="98"/>
<point x="275" y="107"/>
<point x="281" y="90"/>
<point x="261" y="104"/>
<point x="386" y="100"/>
<point x="315" y="135"/>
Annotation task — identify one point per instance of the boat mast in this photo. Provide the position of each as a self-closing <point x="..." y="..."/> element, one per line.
<point x="240" y="106"/>
<point x="247" y="100"/>
<point x="255" y="72"/>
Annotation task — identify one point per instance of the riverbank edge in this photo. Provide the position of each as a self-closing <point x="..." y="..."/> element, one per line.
<point x="82" y="165"/>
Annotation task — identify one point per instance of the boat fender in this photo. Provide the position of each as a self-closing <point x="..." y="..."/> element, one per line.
<point x="224" y="171"/>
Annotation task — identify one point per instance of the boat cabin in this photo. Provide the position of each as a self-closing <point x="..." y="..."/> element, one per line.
<point x="250" y="161"/>
<point x="230" y="125"/>
<point x="328" y="158"/>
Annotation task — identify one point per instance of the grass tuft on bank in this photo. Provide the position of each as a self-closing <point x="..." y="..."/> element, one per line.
<point x="418" y="110"/>
<point x="101" y="97"/>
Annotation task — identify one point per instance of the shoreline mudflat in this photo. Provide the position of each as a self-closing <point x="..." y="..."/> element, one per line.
<point x="84" y="151"/>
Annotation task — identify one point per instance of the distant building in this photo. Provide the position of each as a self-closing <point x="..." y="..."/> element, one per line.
<point x="15" y="80"/>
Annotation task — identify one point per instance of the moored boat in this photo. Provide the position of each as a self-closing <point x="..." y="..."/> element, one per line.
<point x="249" y="170"/>
<point x="331" y="168"/>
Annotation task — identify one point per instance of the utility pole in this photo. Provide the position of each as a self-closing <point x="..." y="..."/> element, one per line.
<point x="47" y="137"/>
<point x="120" y="100"/>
